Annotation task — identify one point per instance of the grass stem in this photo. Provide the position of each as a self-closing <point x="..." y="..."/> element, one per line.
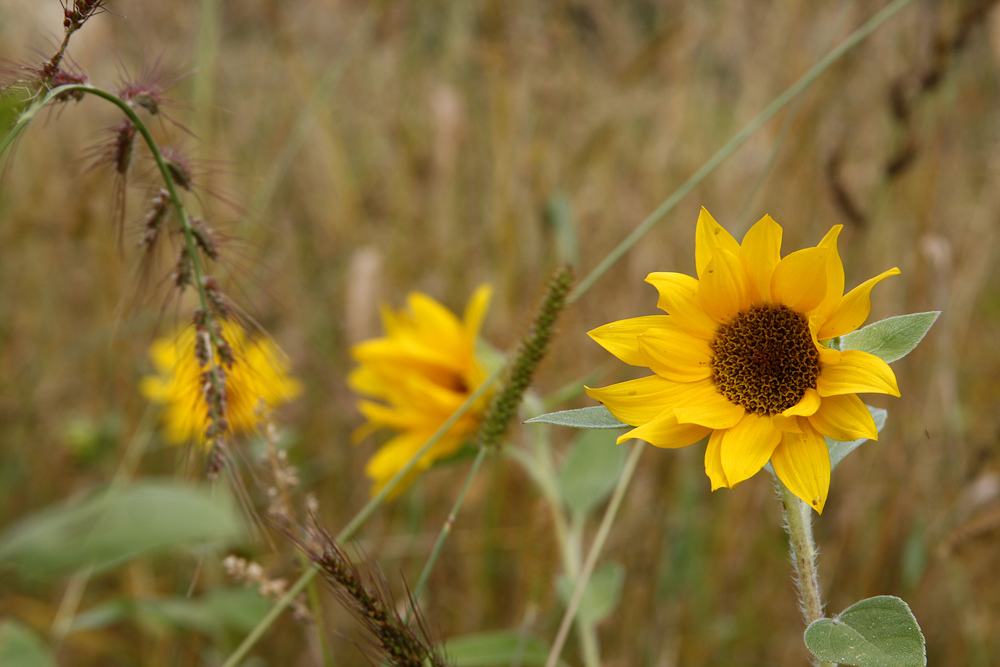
<point x="595" y="551"/>
<point x="720" y="156"/>
<point x="445" y="531"/>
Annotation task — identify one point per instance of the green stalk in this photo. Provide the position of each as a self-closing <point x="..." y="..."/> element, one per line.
<point x="720" y="156"/>
<point x="595" y="551"/>
<point x="445" y="531"/>
<point x="798" y="525"/>
<point x="348" y="531"/>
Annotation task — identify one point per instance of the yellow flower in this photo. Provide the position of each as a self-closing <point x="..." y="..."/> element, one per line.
<point x="256" y="382"/>
<point x="420" y="372"/>
<point x="738" y="359"/>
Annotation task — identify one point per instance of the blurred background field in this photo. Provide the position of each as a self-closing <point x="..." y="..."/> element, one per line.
<point x="363" y="150"/>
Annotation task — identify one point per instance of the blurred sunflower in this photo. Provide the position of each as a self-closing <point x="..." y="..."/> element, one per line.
<point x="256" y="382"/>
<point x="419" y="373"/>
<point x="737" y="359"/>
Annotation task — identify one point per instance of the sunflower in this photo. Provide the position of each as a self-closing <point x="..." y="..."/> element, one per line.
<point x="419" y="373"/>
<point x="256" y="381"/>
<point x="738" y="359"/>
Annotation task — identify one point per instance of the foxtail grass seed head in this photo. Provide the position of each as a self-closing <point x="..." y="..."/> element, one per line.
<point x="414" y="377"/>
<point x="77" y="13"/>
<point x="529" y="355"/>
<point x="363" y="591"/>
<point x="153" y="221"/>
<point x="738" y="360"/>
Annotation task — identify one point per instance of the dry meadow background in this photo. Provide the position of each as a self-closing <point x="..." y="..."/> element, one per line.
<point x="369" y="149"/>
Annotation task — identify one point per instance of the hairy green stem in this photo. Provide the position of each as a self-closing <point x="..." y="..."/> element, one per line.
<point x="720" y="156"/>
<point x="348" y="531"/>
<point x="798" y="525"/>
<point x="595" y="551"/>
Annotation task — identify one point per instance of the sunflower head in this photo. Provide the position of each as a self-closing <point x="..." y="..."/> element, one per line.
<point x="255" y="382"/>
<point x="738" y="359"/>
<point x="415" y="376"/>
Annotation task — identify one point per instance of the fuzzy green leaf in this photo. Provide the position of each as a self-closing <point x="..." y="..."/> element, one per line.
<point x="21" y="647"/>
<point x="838" y="450"/>
<point x="595" y="417"/>
<point x="115" y="526"/>
<point x="877" y="632"/>
<point x="501" y="648"/>
<point x="604" y="591"/>
<point x="892" y="338"/>
<point x="589" y="474"/>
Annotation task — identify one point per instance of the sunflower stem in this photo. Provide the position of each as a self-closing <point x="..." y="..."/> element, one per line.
<point x="798" y="525"/>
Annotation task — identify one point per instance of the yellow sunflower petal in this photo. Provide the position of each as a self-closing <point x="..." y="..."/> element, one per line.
<point x="834" y="274"/>
<point x="854" y="308"/>
<point x="747" y="447"/>
<point x="679" y="298"/>
<point x="799" y="280"/>
<point x="390" y="459"/>
<point x="432" y="322"/>
<point x="475" y="310"/>
<point x="713" y="461"/>
<point x="708" y="237"/>
<point x="675" y="355"/>
<point x="790" y="424"/>
<point x="621" y="338"/>
<point x="802" y="462"/>
<point x="807" y="405"/>
<point x="844" y="418"/>
<point x="666" y="432"/>
<point x="724" y="288"/>
<point x="710" y="409"/>
<point x="639" y="401"/>
<point x="760" y="253"/>
<point x="857" y="373"/>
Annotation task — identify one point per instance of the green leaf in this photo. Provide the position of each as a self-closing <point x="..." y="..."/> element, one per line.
<point x="877" y="632"/>
<point x="591" y="470"/>
<point x="118" y="525"/>
<point x="892" y="338"/>
<point x="604" y="591"/>
<point x="20" y="647"/>
<point x="838" y="450"/>
<point x="501" y="648"/>
<point x="595" y="417"/>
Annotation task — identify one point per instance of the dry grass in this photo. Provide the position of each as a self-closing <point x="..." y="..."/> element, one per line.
<point x="433" y="164"/>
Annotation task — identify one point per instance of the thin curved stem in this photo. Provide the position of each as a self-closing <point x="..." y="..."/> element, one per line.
<point x="720" y="156"/>
<point x="189" y="236"/>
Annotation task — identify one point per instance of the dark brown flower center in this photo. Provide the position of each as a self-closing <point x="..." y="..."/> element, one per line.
<point x="765" y="359"/>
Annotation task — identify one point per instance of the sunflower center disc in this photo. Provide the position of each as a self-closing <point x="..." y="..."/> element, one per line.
<point x="765" y="359"/>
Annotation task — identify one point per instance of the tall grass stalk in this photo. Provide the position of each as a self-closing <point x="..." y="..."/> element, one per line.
<point x="741" y="137"/>
<point x="595" y="551"/>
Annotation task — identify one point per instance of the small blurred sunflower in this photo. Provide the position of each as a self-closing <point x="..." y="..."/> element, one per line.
<point x="256" y="382"/>
<point x="423" y="368"/>
<point x="737" y="359"/>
